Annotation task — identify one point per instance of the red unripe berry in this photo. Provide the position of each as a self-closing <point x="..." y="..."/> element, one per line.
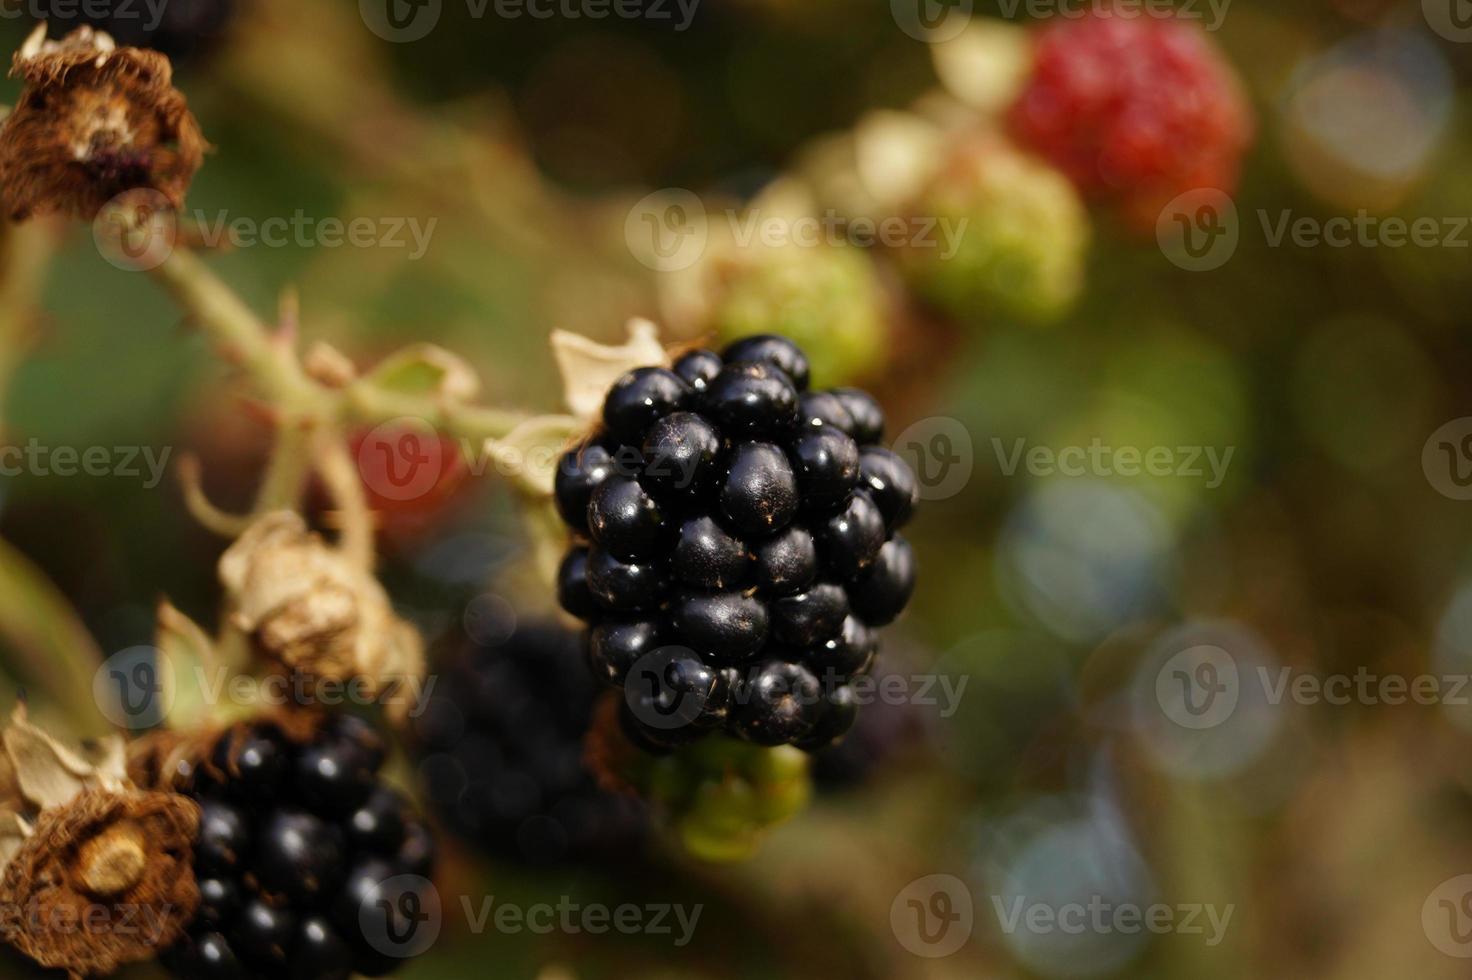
<point x="1135" y="110"/>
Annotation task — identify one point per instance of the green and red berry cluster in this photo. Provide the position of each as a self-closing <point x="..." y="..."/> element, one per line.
<point x="736" y="546"/>
<point x="1135" y="110"/>
<point x="294" y="841"/>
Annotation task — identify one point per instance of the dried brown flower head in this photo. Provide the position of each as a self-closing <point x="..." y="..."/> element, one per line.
<point x="93" y="120"/>
<point x="314" y="611"/>
<point x="96" y="873"/>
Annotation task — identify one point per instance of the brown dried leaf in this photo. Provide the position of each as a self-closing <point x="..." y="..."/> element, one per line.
<point x="313" y="610"/>
<point x="49" y="774"/>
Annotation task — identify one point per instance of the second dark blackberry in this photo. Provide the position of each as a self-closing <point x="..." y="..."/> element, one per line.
<point x="298" y="844"/>
<point x="502" y="752"/>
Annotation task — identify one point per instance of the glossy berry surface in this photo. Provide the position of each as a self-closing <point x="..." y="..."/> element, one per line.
<point x="779" y="352"/>
<point x="751" y="399"/>
<point x="579" y="473"/>
<point x="641" y="397"/>
<point x="737" y="550"/>
<point x="759" y="495"/>
<point x="625" y="519"/>
<point x="680" y="453"/>
<point x="781" y="703"/>
<point x="573" y="593"/>
<point x="1136" y="110"/>
<point x="697" y="367"/>
<point x="285" y="828"/>
<point x="826" y="464"/>
<point x="708" y="557"/>
<point x="625" y="586"/>
<point x="501" y="747"/>
<point x="888" y="481"/>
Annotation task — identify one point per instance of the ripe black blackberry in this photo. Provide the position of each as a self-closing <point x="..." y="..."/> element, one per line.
<point x="735" y="538"/>
<point x="502" y="753"/>
<point x="295" y="839"/>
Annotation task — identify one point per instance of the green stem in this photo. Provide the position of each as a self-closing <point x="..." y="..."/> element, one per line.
<point x="56" y="653"/>
<point x="281" y="487"/>
<point x="270" y="360"/>
<point x="371" y="405"/>
<point x="240" y="334"/>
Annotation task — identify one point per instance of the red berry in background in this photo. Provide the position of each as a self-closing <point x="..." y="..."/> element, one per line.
<point x="1135" y="110"/>
<point x="410" y="472"/>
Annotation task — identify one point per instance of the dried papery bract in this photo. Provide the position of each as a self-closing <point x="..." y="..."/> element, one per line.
<point x="529" y="453"/>
<point x="93" y="121"/>
<point x="315" y="612"/>
<point x="89" y="859"/>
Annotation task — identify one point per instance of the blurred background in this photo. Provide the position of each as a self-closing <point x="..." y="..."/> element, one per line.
<point x="1311" y="520"/>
